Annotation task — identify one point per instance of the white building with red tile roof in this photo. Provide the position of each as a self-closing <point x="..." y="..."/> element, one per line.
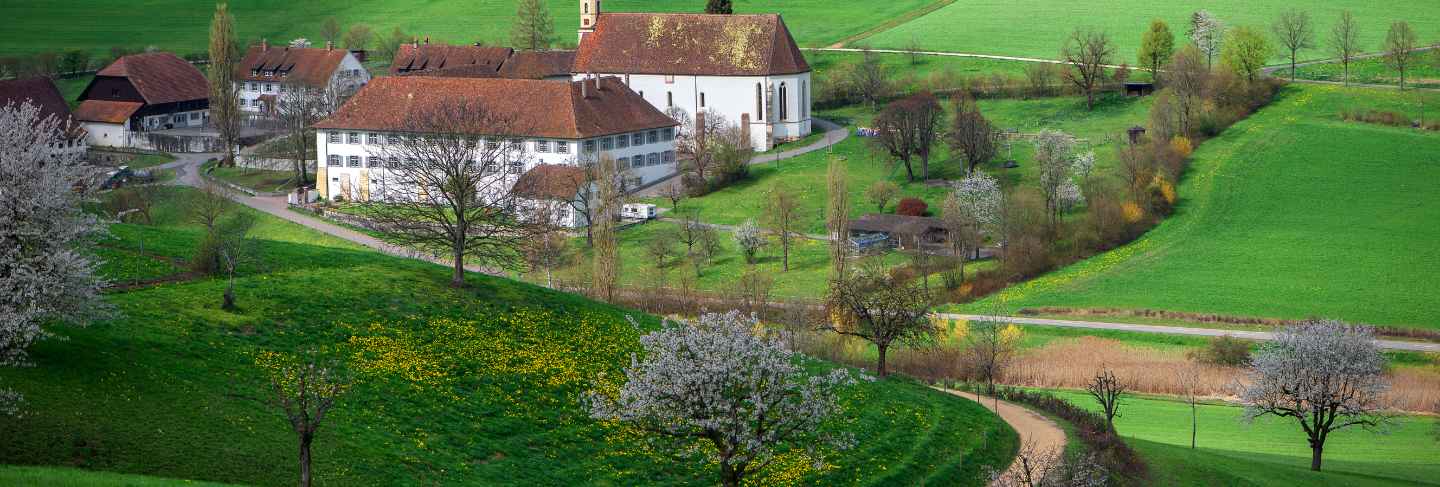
<point x="267" y="72"/>
<point x="141" y="93"/>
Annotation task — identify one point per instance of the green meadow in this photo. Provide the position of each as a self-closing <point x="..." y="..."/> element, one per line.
<point x="1037" y="28"/>
<point x="1292" y="213"/>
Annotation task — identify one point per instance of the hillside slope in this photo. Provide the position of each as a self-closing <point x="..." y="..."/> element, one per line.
<point x="480" y="386"/>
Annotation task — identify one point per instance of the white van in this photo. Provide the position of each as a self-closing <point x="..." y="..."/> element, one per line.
<point x="638" y="211"/>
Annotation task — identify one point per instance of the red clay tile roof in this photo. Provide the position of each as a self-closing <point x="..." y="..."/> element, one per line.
<point x="160" y="77"/>
<point x="690" y="44"/>
<point x="106" y="111"/>
<point x="550" y="182"/>
<point x="538" y="64"/>
<point x="465" y="61"/>
<point x="39" y="91"/>
<point x="312" y="66"/>
<point x="537" y="108"/>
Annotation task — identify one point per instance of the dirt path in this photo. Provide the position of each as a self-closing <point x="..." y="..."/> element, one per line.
<point x="1037" y="432"/>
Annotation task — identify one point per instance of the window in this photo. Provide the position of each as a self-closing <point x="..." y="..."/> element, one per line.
<point x="639" y="138"/>
<point x="562" y="147"/>
<point x="668" y="157"/>
<point x="653" y="159"/>
<point x="269" y="87"/>
<point x="352" y="138"/>
<point x="669" y="99"/>
<point x="607" y="143"/>
<point x="250" y="86"/>
<point x="623" y="163"/>
<point x="492" y="144"/>
<point x="284" y="88"/>
<point x="702" y="100"/>
<point x="194" y="115"/>
<point x="642" y="92"/>
<point x="542" y="146"/>
<point x="668" y="134"/>
<point x="759" y="103"/>
<point x="373" y="138"/>
<point x="354" y="161"/>
<point x="652" y="136"/>
<point x="334" y="137"/>
<point x="804" y="99"/>
<point x="669" y="79"/>
<point x="622" y="141"/>
<point x="377" y="161"/>
<point x="784" y="103"/>
<point x="334" y="161"/>
<point x="589" y="146"/>
<point x="515" y="145"/>
<point x="517" y="167"/>
<point x="177" y="118"/>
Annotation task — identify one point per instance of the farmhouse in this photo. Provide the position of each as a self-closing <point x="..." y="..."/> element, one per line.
<point x="481" y="62"/>
<point x="268" y="72"/>
<point x="141" y="93"/>
<point x="558" y="123"/>
<point x="42" y="93"/>
<point x="746" y="68"/>
<point x="901" y="231"/>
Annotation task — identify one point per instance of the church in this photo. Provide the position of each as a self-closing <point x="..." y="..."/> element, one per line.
<point x="746" y="68"/>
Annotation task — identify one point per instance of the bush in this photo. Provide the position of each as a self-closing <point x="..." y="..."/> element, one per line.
<point x="1162" y="196"/>
<point x="1225" y="350"/>
<point x="911" y="207"/>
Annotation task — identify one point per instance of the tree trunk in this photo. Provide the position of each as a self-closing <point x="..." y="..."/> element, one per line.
<point x="785" y="254"/>
<point x="880" y="367"/>
<point x="1292" y="66"/>
<point x="1316" y="449"/>
<point x="457" y="279"/>
<point x="305" y="460"/>
<point x="909" y="171"/>
<point x="229" y="303"/>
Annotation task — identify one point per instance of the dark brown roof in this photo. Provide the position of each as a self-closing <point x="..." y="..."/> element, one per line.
<point x="106" y="111"/>
<point x="464" y="61"/>
<point x="312" y="66"/>
<point x="537" y="108"/>
<point x="896" y="224"/>
<point x="39" y="91"/>
<point x="538" y="64"/>
<point x="160" y="77"/>
<point x="690" y="44"/>
<point x="550" y="182"/>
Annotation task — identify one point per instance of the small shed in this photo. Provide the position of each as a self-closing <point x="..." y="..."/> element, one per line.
<point x="1139" y="89"/>
<point x="900" y="231"/>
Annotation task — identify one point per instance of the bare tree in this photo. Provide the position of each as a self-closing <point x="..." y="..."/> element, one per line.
<point x="390" y="45"/>
<point x="907" y="128"/>
<point x="330" y="30"/>
<point x="971" y="135"/>
<point x="872" y="305"/>
<point x="1400" y="52"/>
<point x="746" y="393"/>
<point x="870" y="79"/>
<point x="224" y="92"/>
<point x="298" y="108"/>
<point x="881" y="193"/>
<point x="1108" y="390"/>
<point x="1190" y="380"/>
<point x="781" y="218"/>
<point x="46" y="266"/>
<point x="700" y="240"/>
<point x="358" y="37"/>
<point x="1345" y="41"/>
<point x="1035" y="467"/>
<point x="1188" y="78"/>
<point x="606" y="256"/>
<point x="991" y="349"/>
<point x="1087" y="53"/>
<point x="837" y="215"/>
<point x="675" y="192"/>
<point x="235" y="248"/>
<point x="1295" y="32"/>
<point x="533" y="29"/>
<point x="444" y="188"/>
<point x="304" y="390"/>
<point x="548" y="251"/>
<point x="1325" y="374"/>
<point x="1041" y="77"/>
<point x="705" y="141"/>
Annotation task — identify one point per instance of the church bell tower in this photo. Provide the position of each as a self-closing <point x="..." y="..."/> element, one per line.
<point x="589" y="14"/>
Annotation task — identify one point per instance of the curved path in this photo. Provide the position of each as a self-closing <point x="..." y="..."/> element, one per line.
<point x="1038" y="434"/>
<point x="834" y="134"/>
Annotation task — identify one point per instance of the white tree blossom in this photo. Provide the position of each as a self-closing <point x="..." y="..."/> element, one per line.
<point x="1055" y="155"/>
<point x="1083" y="164"/>
<point x="1208" y="33"/>
<point x="724" y="380"/>
<point x="750" y="239"/>
<point x="1325" y="374"/>
<point x="46" y="271"/>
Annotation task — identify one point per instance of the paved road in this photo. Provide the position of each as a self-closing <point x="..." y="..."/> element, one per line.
<point x="1177" y="330"/>
<point x="1038" y="434"/>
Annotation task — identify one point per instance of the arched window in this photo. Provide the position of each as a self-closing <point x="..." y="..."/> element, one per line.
<point x="784" y="103"/>
<point x="759" y="103"/>
<point x="804" y="99"/>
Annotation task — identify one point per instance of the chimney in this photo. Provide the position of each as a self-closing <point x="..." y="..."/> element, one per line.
<point x="427" y="40"/>
<point x="329" y="45"/>
<point x="415" y="41"/>
<point x="598" y="88"/>
<point x="264" y="44"/>
<point x="585" y="89"/>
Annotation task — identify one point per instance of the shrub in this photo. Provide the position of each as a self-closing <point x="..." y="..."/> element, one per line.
<point x="1225" y="350"/>
<point x="1132" y="212"/>
<point x="1162" y="196"/>
<point x="1105" y="223"/>
<point x="1182" y="146"/>
<point x="911" y="207"/>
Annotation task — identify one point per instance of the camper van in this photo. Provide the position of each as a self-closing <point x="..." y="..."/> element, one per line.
<point x="638" y="211"/>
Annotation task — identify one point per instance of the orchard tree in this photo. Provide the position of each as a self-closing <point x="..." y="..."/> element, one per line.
<point x="724" y="381"/>
<point x="533" y="29"/>
<point x="971" y="135"/>
<point x="1156" y="47"/>
<point x="782" y="214"/>
<point x="1295" y="32"/>
<point x="750" y="240"/>
<point x="1055" y="155"/>
<point x="881" y="193"/>
<point x="304" y="390"/>
<point x="881" y="309"/>
<point x="1345" y="41"/>
<point x="358" y="37"/>
<point x="1207" y="32"/>
<point x="978" y="206"/>
<point x="1246" y="51"/>
<point x="1087" y="53"/>
<point x="1400" y="52"/>
<point x="1327" y="375"/>
<point x="47" y="269"/>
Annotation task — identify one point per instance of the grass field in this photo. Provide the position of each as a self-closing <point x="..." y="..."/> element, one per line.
<point x="183" y="25"/>
<point x="1425" y="74"/>
<point x="263" y="180"/>
<point x="1289" y="214"/>
<point x="69" y="477"/>
<point x="1269" y="451"/>
<point x="1037" y="28"/>
<point x="456" y="387"/>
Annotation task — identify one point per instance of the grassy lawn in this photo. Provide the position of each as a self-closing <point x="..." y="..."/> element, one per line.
<point x="1289" y="214"/>
<point x="69" y="477"/>
<point x="259" y="179"/>
<point x="479" y="386"/>
<point x="150" y="160"/>
<point x="1037" y="28"/>
<point x="1423" y="74"/>
<point x="1269" y="451"/>
<point x="182" y="25"/>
